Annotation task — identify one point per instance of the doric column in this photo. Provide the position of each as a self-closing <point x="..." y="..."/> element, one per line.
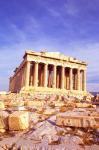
<point x="71" y="79"/>
<point x="78" y="79"/>
<point x="45" y="75"/>
<point x="62" y="77"/>
<point x="27" y="78"/>
<point x="54" y="76"/>
<point x="84" y="80"/>
<point x="36" y="74"/>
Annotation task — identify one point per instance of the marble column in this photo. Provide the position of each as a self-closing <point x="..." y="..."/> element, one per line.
<point x="54" y="76"/>
<point x="36" y="74"/>
<point x="45" y="75"/>
<point x="27" y="78"/>
<point x="62" y="77"/>
<point x="71" y="79"/>
<point x="78" y="79"/>
<point x="84" y="76"/>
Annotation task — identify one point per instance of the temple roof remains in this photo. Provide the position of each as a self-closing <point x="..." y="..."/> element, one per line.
<point x="55" y="55"/>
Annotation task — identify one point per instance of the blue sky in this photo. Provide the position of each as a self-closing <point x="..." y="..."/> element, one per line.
<point x="68" y="26"/>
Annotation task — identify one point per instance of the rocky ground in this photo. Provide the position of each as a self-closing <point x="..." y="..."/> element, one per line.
<point x="48" y="122"/>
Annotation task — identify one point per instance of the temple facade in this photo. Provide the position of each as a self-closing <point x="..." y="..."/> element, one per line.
<point x="49" y="71"/>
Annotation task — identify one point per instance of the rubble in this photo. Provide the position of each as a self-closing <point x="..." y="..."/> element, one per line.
<point x="18" y="120"/>
<point x="34" y="103"/>
<point x="49" y="111"/>
<point x="77" y="121"/>
<point x="2" y="106"/>
<point x="84" y="105"/>
<point x="3" y="121"/>
<point x="51" y="121"/>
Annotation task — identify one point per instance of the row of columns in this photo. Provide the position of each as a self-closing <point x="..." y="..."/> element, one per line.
<point x="54" y="76"/>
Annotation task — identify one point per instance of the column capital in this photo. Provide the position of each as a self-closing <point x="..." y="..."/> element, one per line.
<point x="36" y="62"/>
<point x="55" y="64"/>
<point x="63" y="66"/>
<point x="46" y="64"/>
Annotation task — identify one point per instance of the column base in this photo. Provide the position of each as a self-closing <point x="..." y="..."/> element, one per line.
<point x="47" y="90"/>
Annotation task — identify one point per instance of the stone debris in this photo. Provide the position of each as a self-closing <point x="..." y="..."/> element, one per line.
<point x="77" y="121"/>
<point x="3" y="121"/>
<point x="40" y="121"/>
<point x="18" y="121"/>
<point x="2" y="106"/>
<point x="49" y="111"/>
<point x="84" y="105"/>
<point x="34" y="103"/>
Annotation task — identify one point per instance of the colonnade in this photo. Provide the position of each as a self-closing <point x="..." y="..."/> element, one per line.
<point x="55" y="76"/>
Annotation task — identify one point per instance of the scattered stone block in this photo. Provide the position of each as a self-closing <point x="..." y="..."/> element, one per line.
<point x="77" y="140"/>
<point x="34" y="103"/>
<point x="45" y="129"/>
<point x="84" y="105"/>
<point x="76" y="121"/>
<point x="19" y="120"/>
<point x="2" y="130"/>
<point x="49" y="111"/>
<point x="80" y="133"/>
<point x="17" y="104"/>
<point x="2" y="106"/>
<point x="34" y="117"/>
<point x="63" y="109"/>
<point x="3" y="121"/>
<point x="59" y="104"/>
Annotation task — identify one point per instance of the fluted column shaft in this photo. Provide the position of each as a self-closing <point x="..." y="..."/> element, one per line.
<point x="54" y="76"/>
<point x="84" y="80"/>
<point x="62" y="77"/>
<point x="27" y="78"/>
<point x="36" y="74"/>
<point x="71" y="79"/>
<point x="45" y="75"/>
<point x="78" y="79"/>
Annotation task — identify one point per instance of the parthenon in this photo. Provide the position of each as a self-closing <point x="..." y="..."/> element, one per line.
<point x="49" y="71"/>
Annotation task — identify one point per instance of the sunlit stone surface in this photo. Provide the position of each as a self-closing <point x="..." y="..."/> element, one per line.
<point x="49" y="72"/>
<point x="18" y="121"/>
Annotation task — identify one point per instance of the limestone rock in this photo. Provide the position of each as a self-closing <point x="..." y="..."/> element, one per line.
<point x="80" y="133"/>
<point x="63" y="108"/>
<point x="2" y="130"/>
<point x="34" y="103"/>
<point x="77" y="140"/>
<point x="76" y="121"/>
<point x="49" y="111"/>
<point x="2" y="105"/>
<point x="52" y="139"/>
<point x="44" y="129"/>
<point x="18" y="120"/>
<point x="3" y="120"/>
<point x="59" y="104"/>
<point x="34" y="117"/>
<point x="83" y="105"/>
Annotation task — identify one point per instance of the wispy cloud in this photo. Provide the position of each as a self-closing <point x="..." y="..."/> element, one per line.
<point x="68" y="26"/>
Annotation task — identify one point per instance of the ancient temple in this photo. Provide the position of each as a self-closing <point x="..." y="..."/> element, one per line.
<point x="49" y="71"/>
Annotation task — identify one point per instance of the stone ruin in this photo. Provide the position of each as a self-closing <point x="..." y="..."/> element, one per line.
<point x="38" y="121"/>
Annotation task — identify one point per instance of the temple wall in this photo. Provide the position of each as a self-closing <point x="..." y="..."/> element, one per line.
<point x="18" y="81"/>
